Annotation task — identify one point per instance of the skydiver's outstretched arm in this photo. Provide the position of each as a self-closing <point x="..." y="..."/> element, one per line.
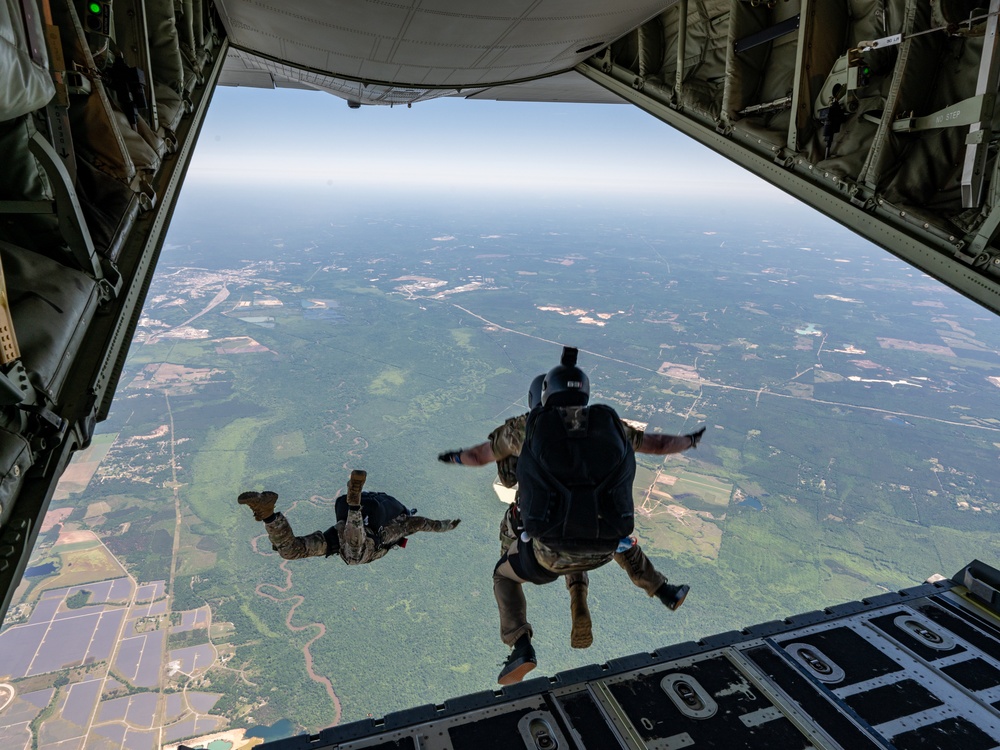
<point x="504" y="441"/>
<point x="477" y="455"/>
<point x="661" y="445"/>
<point x="406" y="525"/>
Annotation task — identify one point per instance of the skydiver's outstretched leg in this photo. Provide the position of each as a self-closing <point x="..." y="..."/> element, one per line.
<point x="279" y="531"/>
<point x="642" y="573"/>
<point x="581" y="635"/>
<point x="261" y="503"/>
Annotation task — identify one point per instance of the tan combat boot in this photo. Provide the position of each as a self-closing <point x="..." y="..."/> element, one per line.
<point x="261" y="503"/>
<point x="581" y="636"/>
<point x="354" y="485"/>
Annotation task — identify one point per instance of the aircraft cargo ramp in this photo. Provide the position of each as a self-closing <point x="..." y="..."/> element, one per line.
<point x="919" y="668"/>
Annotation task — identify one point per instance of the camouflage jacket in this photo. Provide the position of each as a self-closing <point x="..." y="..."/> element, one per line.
<point x="507" y="439"/>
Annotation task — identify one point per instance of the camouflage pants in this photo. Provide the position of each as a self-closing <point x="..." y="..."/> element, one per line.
<point x="509" y="594"/>
<point x="633" y="561"/>
<point x="640" y="569"/>
<point x="508" y="529"/>
<point x="508" y="591"/>
<point x="292" y="547"/>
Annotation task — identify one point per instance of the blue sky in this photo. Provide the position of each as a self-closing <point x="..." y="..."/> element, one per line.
<point x="280" y="136"/>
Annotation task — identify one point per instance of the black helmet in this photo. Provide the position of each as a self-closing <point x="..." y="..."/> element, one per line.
<point x="535" y="391"/>
<point x="566" y="384"/>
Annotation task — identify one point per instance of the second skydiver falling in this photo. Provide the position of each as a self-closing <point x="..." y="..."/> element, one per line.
<point x="369" y="524"/>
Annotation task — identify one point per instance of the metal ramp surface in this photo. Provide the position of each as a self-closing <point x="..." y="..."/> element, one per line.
<point x="915" y="669"/>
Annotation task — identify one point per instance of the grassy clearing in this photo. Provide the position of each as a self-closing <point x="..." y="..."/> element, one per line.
<point x="689" y="535"/>
<point x="221" y="630"/>
<point x="706" y="488"/>
<point x="98" y="509"/>
<point x="195" y="560"/>
<point x="387" y="382"/>
<point x="289" y="445"/>
<point x="220" y="470"/>
<point x="463" y="338"/>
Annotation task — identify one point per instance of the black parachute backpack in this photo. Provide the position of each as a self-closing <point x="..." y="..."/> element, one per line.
<point x="377" y="509"/>
<point x="575" y="474"/>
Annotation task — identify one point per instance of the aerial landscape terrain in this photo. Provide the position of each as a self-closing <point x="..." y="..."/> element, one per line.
<point x="851" y="448"/>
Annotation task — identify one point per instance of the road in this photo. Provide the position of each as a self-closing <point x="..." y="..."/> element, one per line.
<point x="708" y="384"/>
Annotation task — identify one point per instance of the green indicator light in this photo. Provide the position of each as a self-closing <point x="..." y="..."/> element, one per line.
<point x="95" y="7"/>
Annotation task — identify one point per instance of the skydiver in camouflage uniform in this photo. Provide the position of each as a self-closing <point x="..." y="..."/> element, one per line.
<point x="369" y="524"/>
<point x="503" y="447"/>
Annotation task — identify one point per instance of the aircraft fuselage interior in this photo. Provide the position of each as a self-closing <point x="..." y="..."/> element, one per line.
<point x="877" y="113"/>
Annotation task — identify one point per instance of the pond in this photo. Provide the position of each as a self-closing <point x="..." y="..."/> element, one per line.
<point x="752" y="502"/>
<point x="40" y="570"/>
<point x="279" y="730"/>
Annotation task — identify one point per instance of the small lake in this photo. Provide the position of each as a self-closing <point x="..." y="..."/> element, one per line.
<point x="279" y="730"/>
<point x="752" y="502"/>
<point x="40" y="570"/>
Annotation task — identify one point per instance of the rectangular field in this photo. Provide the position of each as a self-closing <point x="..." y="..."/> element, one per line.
<point x="707" y="489"/>
<point x="80" y="470"/>
<point x="138" y="659"/>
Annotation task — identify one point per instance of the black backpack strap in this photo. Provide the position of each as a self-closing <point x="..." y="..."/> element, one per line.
<point x="332" y="541"/>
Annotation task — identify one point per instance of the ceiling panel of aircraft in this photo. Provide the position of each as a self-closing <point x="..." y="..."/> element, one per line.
<point x="447" y="45"/>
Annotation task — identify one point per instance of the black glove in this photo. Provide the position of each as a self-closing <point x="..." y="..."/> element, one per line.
<point x="695" y="437"/>
<point x="451" y="457"/>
